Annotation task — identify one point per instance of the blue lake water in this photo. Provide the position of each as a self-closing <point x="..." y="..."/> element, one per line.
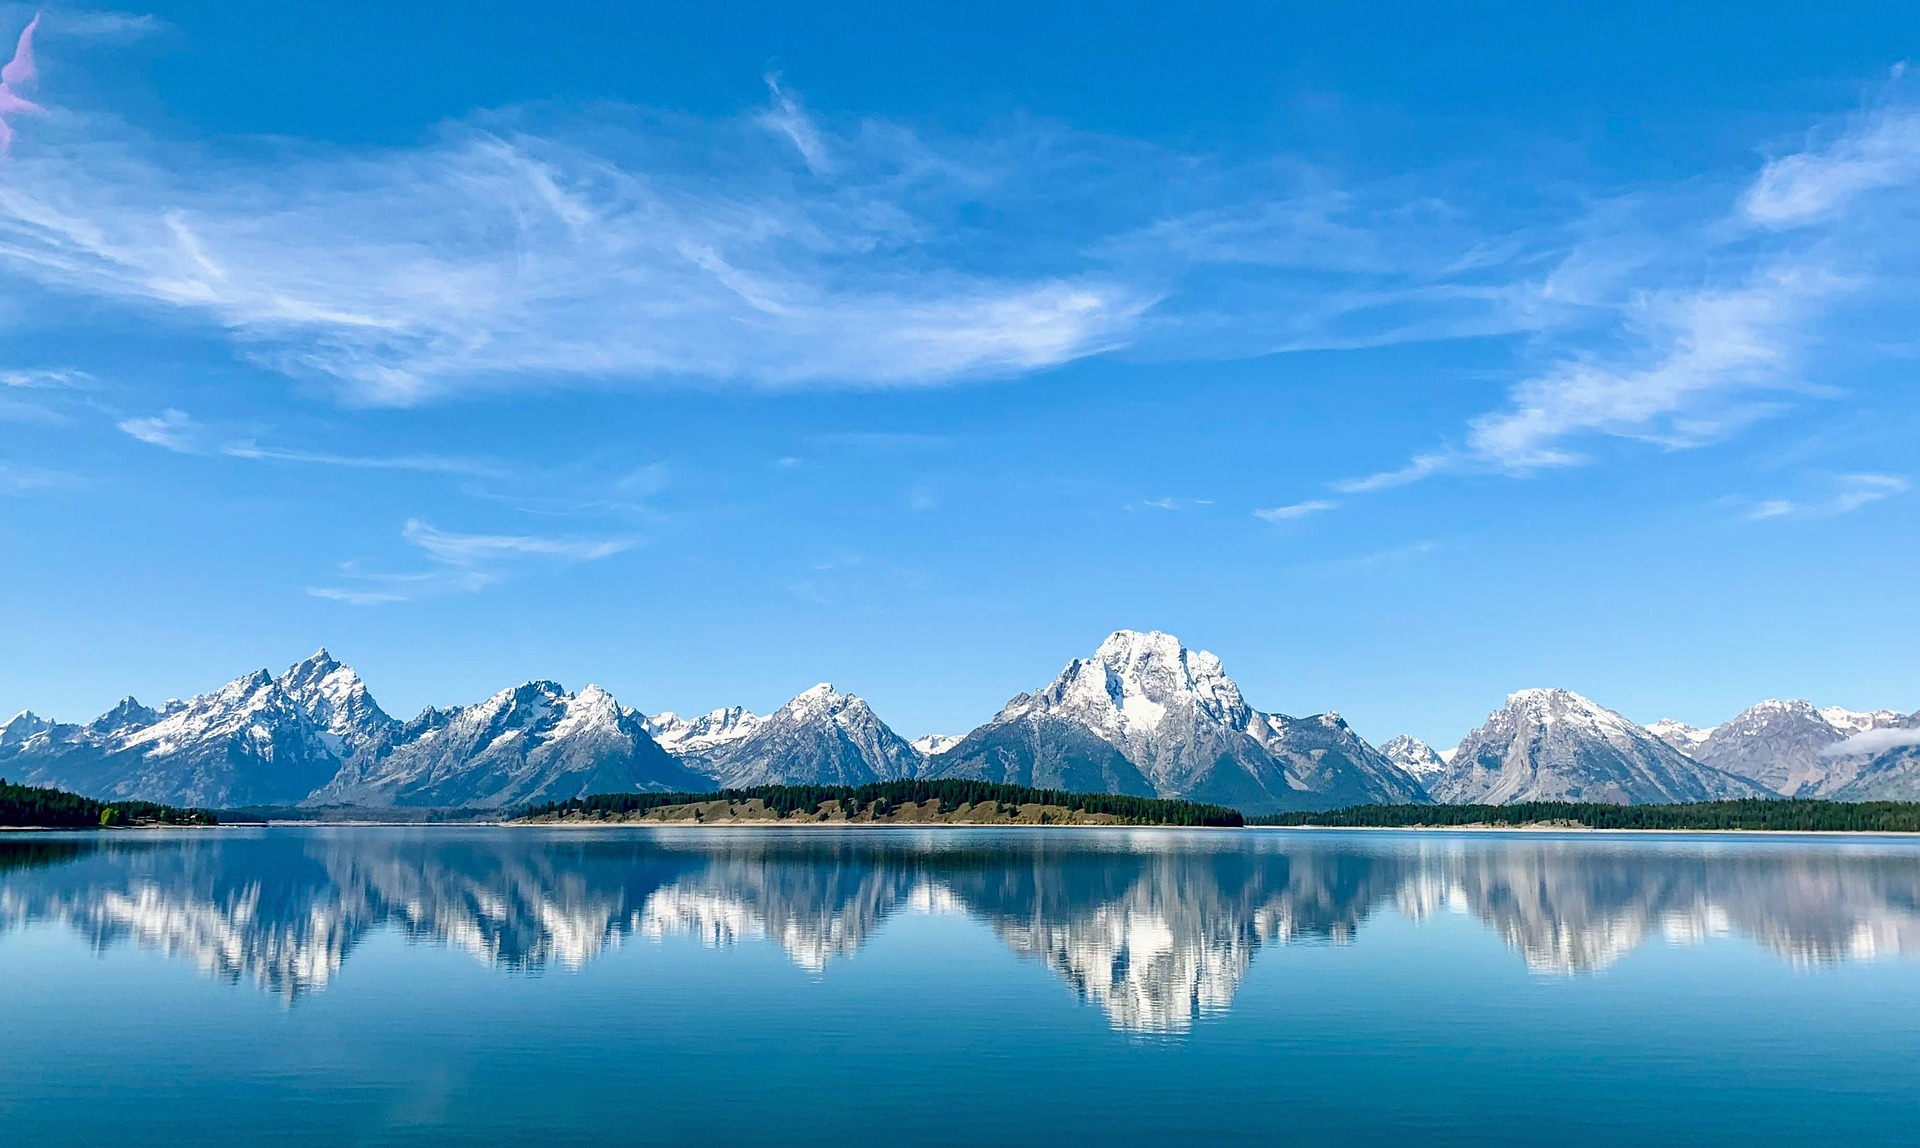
<point x="489" y="985"/>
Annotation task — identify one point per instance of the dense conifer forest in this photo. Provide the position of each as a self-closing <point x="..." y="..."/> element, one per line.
<point x="880" y="799"/>
<point x="1784" y="815"/>
<point x="26" y="806"/>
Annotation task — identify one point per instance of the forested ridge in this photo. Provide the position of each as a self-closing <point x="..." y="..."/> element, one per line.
<point x="880" y="799"/>
<point x="29" y="806"/>
<point x="1781" y="815"/>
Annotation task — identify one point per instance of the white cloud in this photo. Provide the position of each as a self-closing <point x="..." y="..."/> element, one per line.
<point x="1872" y="741"/>
<point x="23" y="479"/>
<point x="1169" y="503"/>
<point x="1847" y="493"/>
<point x="478" y="549"/>
<point x="45" y="380"/>
<point x="1703" y="349"/>
<point x="1698" y="327"/>
<point x="1295" y="510"/>
<point x="509" y="252"/>
<point x="461" y="563"/>
<point x="170" y="429"/>
<point x="1422" y="466"/>
<point x="787" y="118"/>
<point x="1879" y="150"/>
<point x="421" y="463"/>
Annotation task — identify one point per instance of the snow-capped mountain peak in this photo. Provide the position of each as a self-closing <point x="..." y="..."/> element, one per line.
<point x="333" y="697"/>
<point x="688" y="735"/>
<point x="1414" y="756"/>
<point x="1146" y="714"/>
<point x="820" y="736"/>
<point x="1851" y="722"/>
<point x="1136" y="683"/>
<point x="22" y="726"/>
<point x="1678" y="734"/>
<point x="1554" y="745"/>
<point x="934" y="743"/>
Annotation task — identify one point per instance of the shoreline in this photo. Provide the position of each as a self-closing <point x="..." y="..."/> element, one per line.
<point x="802" y="826"/>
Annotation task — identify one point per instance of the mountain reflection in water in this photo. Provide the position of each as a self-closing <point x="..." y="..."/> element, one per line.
<point x="1158" y="928"/>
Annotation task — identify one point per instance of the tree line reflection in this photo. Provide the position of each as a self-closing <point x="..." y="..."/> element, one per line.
<point x="1157" y="929"/>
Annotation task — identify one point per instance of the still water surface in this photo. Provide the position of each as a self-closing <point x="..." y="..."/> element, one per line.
<point x="485" y="985"/>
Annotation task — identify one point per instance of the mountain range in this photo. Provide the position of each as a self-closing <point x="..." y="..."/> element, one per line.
<point x="1144" y="715"/>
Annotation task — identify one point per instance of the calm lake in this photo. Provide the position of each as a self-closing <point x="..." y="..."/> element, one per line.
<point x="488" y="985"/>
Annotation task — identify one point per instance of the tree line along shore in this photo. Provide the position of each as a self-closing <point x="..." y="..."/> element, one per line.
<point x="887" y="802"/>
<point x="963" y="802"/>
<point x="26" y="806"/>
<point x="1783" y="815"/>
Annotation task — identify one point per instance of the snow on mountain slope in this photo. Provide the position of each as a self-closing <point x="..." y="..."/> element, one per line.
<point x="1554" y="745"/>
<point x="680" y="735"/>
<point x="1415" y="757"/>
<point x="932" y="744"/>
<point x="257" y="740"/>
<point x="1678" y="734"/>
<point x="533" y="742"/>
<point x="821" y="737"/>
<point x="1148" y="716"/>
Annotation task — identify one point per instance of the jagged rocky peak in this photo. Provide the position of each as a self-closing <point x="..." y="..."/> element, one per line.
<point x="820" y="737"/>
<point x="22" y="726"/>
<point x="1415" y="756"/>
<point x="332" y="695"/>
<point x="729" y="723"/>
<point x="1850" y="722"/>
<point x="1134" y="679"/>
<point x="1147" y="715"/>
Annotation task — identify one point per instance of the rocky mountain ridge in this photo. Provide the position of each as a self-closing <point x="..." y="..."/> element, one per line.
<point x="1144" y="715"/>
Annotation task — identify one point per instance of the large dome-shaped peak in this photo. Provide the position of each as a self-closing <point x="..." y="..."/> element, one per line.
<point x="1137" y="650"/>
<point x="1155" y="667"/>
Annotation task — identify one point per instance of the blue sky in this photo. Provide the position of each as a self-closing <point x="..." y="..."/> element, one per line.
<point x="1403" y="358"/>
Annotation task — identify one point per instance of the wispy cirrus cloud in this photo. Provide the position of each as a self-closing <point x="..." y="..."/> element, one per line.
<point x="1295" y="511"/>
<point x="619" y="246"/>
<point x="1846" y="494"/>
<point x="170" y="430"/>
<point x="177" y="431"/>
<point x="461" y="563"/>
<point x="1169" y="503"/>
<point x="1707" y="324"/>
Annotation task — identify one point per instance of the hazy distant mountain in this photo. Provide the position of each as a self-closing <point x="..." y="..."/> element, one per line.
<point x="1554" y="745"/>
<point x="1147" y="716"/>
<point x="822" y="737"/>
<point x="1786" y="746"/>
<point x="534" y="742"/>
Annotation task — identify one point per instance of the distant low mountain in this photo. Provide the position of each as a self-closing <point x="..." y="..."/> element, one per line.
<point x="1147" y="716"/>
<point x="1787" y="746"/>
<point x="1554" y="745"/>
<point x="821" y="737"/>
